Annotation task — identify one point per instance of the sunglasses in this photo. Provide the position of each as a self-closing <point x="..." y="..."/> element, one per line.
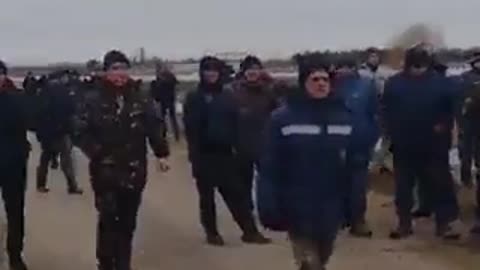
<point x="320" y="78"/>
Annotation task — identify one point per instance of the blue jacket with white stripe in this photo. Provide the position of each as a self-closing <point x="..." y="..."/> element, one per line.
<point x="300" y="186"/>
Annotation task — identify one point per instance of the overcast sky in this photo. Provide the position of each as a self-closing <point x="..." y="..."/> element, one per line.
<point x="39" y="31"/>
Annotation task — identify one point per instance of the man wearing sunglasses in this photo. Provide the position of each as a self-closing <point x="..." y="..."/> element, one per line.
<point x="301" y="180"/>
<point x="112" y="131"/>
<point x="419" y="110"/>
<point x="361" y="97"/>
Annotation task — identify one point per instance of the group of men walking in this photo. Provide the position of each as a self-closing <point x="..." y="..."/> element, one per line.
<point x="310" y="149"/>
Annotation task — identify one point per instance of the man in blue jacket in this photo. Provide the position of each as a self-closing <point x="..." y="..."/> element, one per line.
<point x="301" y="180"/>
<point x="360" y="96"/>
<point x="419" y="107"/>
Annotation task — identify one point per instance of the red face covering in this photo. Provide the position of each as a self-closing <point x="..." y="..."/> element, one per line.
<point x="6" y="83"/>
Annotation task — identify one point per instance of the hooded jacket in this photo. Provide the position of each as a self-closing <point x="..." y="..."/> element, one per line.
<point x="210" y="116"/>
<point x="210" y="120"/>
<point x="300" y="186"/>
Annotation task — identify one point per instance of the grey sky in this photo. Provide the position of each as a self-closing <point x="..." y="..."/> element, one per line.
<point x="39" y="31"/>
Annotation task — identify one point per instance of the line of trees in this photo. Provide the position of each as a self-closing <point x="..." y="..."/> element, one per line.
<point x="447" y="55"/>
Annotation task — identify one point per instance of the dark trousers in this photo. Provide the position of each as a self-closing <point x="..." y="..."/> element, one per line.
<point x="478" y="203"/>
<point x="63" y="146"/>
<point x="424" y="196"/>
<point x="217" y="173"/>
<point x="168" y="109"/>
<point x="13" y="184"/>
<point x="246" y="173"/>
<point x="469" y="149"/>
<point x="430" y="166"/>
<point x="357" y="185"/>
<point x="311" y="254"/>
<point x="117" y="215"/>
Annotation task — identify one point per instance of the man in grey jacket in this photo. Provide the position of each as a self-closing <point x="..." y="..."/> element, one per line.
<point x="371" y="70"/>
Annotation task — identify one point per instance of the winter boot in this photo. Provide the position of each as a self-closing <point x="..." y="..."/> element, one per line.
<point x="256" y="238"/>
<point x="449" y="231"/>
<point x="404" y="230"/>
<point x="361" y="230"/>
<point x="17" y="263"/>
<point x="215" y="240"/>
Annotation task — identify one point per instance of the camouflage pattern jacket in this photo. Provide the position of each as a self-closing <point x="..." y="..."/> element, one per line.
<point x="112" y="130"/>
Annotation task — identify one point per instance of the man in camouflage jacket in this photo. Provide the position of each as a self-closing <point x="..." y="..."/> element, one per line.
<point x="112" y="131"/>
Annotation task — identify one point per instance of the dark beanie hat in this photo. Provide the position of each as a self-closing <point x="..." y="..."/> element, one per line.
<point x="373" y="50"/>
<point x="113" y="57"/>
<point x="417" y="57"/>
<point x="211" y="63"/>
<point x="309" y="64"/>
<point x="3" y="68"/>
<point x="249" y="62"/>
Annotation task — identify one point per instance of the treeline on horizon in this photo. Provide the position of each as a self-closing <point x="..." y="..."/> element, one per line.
<point x="448" y="55"/>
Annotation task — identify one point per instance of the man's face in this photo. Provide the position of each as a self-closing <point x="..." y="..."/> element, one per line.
<point x="418" y="69"/>
<point x="211" y="76"/>
<point x="317" y="84"/>
<point x="119" y="69"/>
<point x="253" y="74"/>
<point x="373" y="59"/>
<point x="118" y="74"/>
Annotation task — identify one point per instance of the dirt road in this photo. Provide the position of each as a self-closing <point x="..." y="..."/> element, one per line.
<point x="61" y="233"/>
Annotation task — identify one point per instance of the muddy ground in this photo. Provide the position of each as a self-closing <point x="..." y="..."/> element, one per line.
<point x="61" y="231"/>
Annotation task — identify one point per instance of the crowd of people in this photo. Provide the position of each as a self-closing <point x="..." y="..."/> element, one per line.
<point x="309" y="148"/>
